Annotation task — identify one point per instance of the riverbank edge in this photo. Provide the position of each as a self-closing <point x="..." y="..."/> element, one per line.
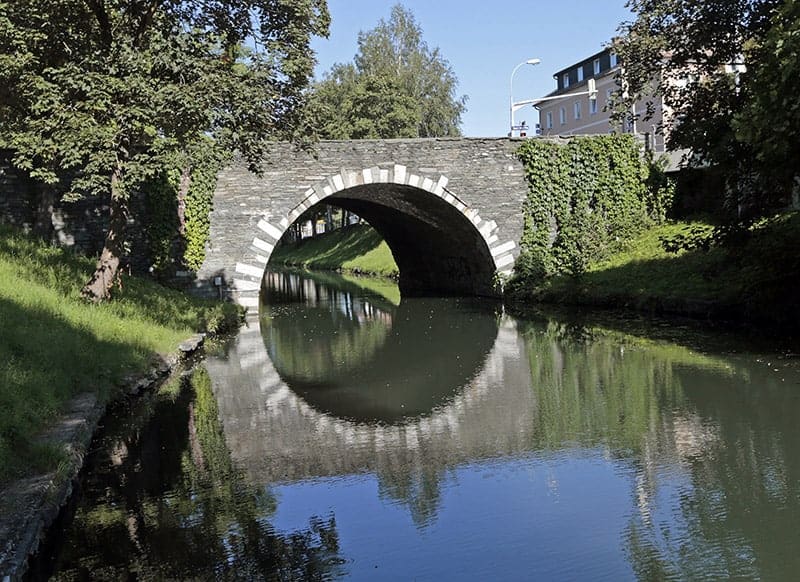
<point x="32" y="504"/>
<point x="718" y="313"/>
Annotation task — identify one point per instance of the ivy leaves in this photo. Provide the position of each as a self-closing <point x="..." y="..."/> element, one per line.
<point x="586" y="197"/>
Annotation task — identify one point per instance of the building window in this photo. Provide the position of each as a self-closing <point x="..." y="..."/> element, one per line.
<point x="562" y="115"/>
<point x="549" y="120"/>
<point x="609" y="96"/>
<point x="580" y="74"/>
<point x="613" y="59"/>
<point x="592" y="106"/>
<point x="596" y="66"/>
<point x="577" y="110"/>
<point x="565" y="79"/>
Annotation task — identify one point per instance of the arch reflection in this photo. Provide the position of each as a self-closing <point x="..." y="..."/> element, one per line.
<point x="353" y="354"/>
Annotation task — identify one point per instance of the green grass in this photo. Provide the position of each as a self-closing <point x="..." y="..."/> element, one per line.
<point x="356" y="249"/>
<point x="53" y="345"/>
<point x="756" y="278"/>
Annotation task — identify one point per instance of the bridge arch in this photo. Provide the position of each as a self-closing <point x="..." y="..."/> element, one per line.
<point x="442" y="244"/>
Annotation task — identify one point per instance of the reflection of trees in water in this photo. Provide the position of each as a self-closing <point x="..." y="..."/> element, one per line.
<point x="712" y="442"/>
<point x="594" y="390"/>
<point x="170" y="504"/>
<point x="742" y="501"/>
<point x="352" y="359"/>
<point x="330" y="329"/>
<point x="419" y="490"/>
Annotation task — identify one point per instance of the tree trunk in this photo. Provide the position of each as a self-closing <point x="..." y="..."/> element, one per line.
<point x="43" y="221"/>
<point x="106" y="273"/>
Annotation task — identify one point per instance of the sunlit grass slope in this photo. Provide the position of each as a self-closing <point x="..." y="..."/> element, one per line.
<point x="357" y="248"/>
<point x="54" y="346"/>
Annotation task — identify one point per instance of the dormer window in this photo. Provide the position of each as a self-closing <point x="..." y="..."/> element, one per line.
<point x="580" y="74"/>
<point x="596" y="66"/>
<point x="613" y="59"/>
<point x="565" y="80"/>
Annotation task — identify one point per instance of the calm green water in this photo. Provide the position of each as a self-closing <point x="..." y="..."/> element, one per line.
<point x="348" y="434"/>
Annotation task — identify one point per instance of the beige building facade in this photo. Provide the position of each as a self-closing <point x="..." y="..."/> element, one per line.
<point x="568" y="110"/>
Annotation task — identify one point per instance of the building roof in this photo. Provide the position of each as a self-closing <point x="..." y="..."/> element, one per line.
<point x="576" y="63"/>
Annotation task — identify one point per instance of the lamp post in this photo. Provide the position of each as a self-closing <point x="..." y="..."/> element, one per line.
<point x="511" y="92"/>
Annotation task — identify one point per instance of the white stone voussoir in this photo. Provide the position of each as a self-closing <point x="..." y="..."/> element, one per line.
<point x="271" y="231"/>
<point x="250" y="270"/>
<point x="503" y="248"/>
<point x="400" y="174"/>
<point x="440" y="185"/>
<point x="246" y="285"/>
<point x="250" y="302"/>
<point x="504" y="261"/>
<point x="351" y="179"/>
<point x="263" y="245"/>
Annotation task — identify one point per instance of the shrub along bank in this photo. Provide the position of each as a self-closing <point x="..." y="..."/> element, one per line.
<point x="356" y="249"/>
<point x="54" y="346"/>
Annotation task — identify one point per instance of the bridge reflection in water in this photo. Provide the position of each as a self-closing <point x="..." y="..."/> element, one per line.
<point x="355" y="384"/>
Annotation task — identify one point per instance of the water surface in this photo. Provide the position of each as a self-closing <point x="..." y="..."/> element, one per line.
<point x="349" y="434"/>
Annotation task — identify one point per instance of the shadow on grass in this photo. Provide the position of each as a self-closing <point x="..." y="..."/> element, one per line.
<point x="750" y="284"/>
<point x="54" y="346"/>
<point x="45" y="362"/>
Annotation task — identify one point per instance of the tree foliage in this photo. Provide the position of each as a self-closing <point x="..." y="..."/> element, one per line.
<point x="727" y="73"/>
<point x="396" y="87"/>
<point x="103" y="95"/>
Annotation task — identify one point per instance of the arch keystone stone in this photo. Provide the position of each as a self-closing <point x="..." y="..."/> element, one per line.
<point x="399" y="174"/>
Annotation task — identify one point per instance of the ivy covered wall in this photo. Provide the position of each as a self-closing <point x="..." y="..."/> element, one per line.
<point x="179" y="203"/>
<point x="587" y="197"/>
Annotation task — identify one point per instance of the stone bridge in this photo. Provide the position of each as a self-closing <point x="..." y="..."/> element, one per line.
<point x="449" y="209"/>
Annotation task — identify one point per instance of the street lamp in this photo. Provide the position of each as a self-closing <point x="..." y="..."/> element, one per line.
<point x="511" y="91"/>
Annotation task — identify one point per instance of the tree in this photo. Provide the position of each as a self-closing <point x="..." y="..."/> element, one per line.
<point x="723" y="70"/>
<point x="770" y="118"/>
<point x="397" y="87"/>
<point x="102" y="95"/>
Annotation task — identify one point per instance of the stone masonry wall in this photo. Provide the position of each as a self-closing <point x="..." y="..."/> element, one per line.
<point x="482" y="172"/>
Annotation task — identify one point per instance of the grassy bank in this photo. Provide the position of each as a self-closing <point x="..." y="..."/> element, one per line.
<point x="755" y="279"/>
<point x="54" y="346"/>
<point x="356" y="249"/>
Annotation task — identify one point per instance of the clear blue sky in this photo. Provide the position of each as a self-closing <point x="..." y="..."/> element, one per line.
<point x="483" y="41"/>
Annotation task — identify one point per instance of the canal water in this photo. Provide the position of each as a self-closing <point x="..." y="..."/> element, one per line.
<point x="347" y="434"/>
